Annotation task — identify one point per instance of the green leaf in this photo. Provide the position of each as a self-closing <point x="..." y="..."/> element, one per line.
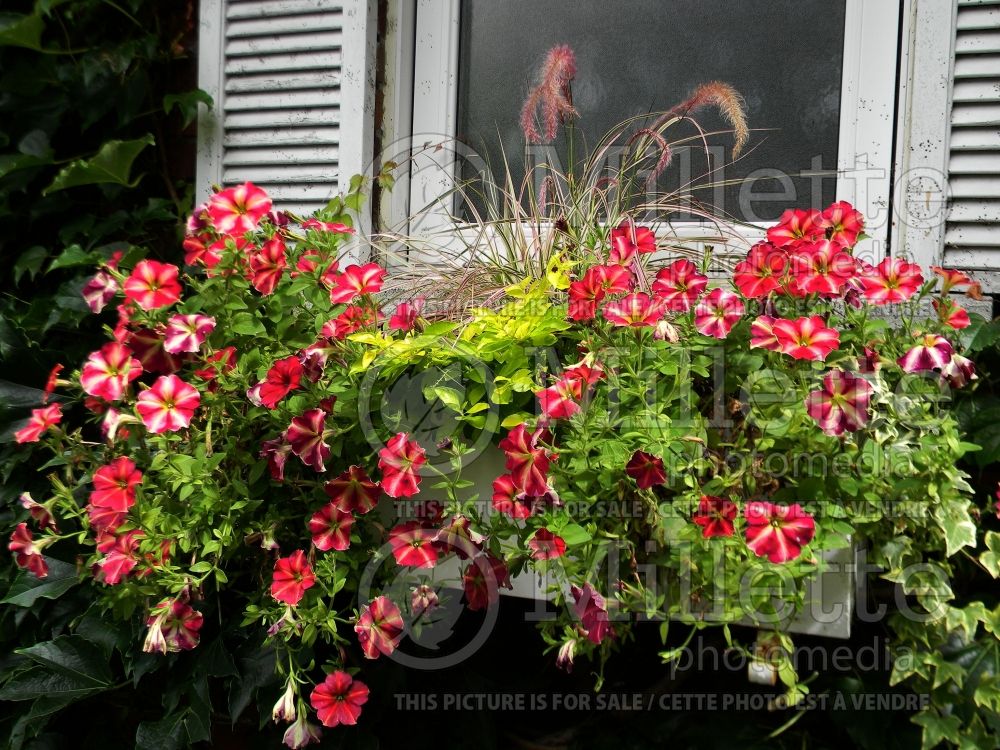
<point x="41" y="683"/>
<point x="27" y="589"/>
<point x="938" y="728"/>
<point x="30" y="262"/>
<point x="74" y="256"/>
<point x="187" y="103"/>
<point x="574" y="534"/>
<point x="959" y="530"/>
<point x="72" y="656"/>
<point x="111" y="164"/>
<point x="166" y="734"/>
<point x="19" y="30"/>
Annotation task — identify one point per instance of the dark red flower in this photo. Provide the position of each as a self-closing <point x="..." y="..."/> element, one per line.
<point x="715" y="515"/>
<point x="400" y="462"/>
<point x="353" y="491"/>
<point x="331" y="528"/>
<point x="292" y="576"/>
<point x="592" y="610"/>
<point x="413" y="544"/>
<point x="545" y="545"/>
<point x="379" y="627"/>
<point x="482" y="580"/>
<point x="284" y="377"/>
<point x="646" y="469"/>
<point x="527" y="461"/>
<point x="306" y="434"/>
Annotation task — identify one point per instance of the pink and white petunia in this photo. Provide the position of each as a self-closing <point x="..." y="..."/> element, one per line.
<point x="805" y="338"/>
<point x="267" y="266"/>
<point x="353" y="491"/>
<point x="357" y="280"/>
<point x="717" y="313"/>
<point x="636" y="310"/>
<point x="761" y="272"/>
<point x="174" y="626"/>
<point x="545" y="545"/>
<point x="168" y="406"/>
<point x="39" y="422"/>
<point x="153" y="285"/>
<point x="400" y="462"/>
<point x="679" y="285"/>
<point x="892" y="280"/>
<point x="951" y="314"/>
<point x="777" y="532"/>
<point x="841" y="405"/>
<point x="379" y="627"/>
<point x="109" y="370"/>
<point x="762" y="334"/>
<point x="932" y="353"/>
<point x="843" y="224"/>
<point x="413" y="544"/>
<point x="186" y="333"/>
<point x="99" y="291"/>
<point x="239" y="209"/>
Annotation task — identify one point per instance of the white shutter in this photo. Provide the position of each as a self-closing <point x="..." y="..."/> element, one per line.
<point x="972" y="230"/>
<point x="293" y="89"/>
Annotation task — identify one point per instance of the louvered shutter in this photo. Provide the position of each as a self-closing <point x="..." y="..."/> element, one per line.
<point x="972" y="231"/>
<point x="293" y="89"/>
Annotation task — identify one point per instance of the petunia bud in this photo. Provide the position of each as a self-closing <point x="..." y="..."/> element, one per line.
<point x="565" y="658"/>
<point x="301" y="733"/>
<point x="284" y="709"/>
<point x="664" y="331"/>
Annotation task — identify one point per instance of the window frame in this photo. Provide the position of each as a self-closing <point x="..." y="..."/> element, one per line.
<point x="865" y="162"/>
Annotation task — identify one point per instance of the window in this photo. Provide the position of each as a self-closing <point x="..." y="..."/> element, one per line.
<point x="822" y="74"/>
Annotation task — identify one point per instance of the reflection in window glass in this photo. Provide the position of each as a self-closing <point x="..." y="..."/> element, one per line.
<point x="784" y="56"/>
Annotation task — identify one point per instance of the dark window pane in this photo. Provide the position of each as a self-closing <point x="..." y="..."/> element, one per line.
<point x="784" y="56"/>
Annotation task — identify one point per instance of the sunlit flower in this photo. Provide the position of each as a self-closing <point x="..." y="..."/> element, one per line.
<point x="115" y="484"/>
<point x="627" y="239"/>
<point x="777" y="532"/>
<point x="99" y="291"/>
<point x="545" y="545"/>
<point x="679" y="285"/>
<point x="951" y="314"/>
<point x="841" y="404"/>
<point x="552" y="94"/>
<point x="715" y="515"/>
<point x="306" y="434"/>
<point x="842" y="223"/>
<point x="400" y="462"/>
<point x="292" y="577"/>
<point x="153" y="285"/>
<point x="592" y="609"/>
<point x="357" y="280"/>
<point x="932" y="353"/>
<point x="646" y="469"/>
<point x="27" y="552"/>
<point x="761" y="272"/>
<point x="168" y="406"/>
<point x="805" y="338"/>
<point x="108" y="370"/>
<point x="199" y="251"/>
<point x="482" y="580"/>
<point x="38" y="423"/>
<point x="331" y="528"/>
<point x="762" y="334"/>
<point x="795" y="226"/>
<point x="284" y="376"/>
<point x="186" y="333"/>
<point x="239" y="209"/>
<point x="527" y="461"/>
<point x="561" y="400"/>
<point x="413" y="544"/>
<point x="351" y="320"/>
<point x="959" y="371"/>
<point x="717" y="313"/>
<point x="268" y="265"/>
<point x="379" y="627"/>
<point x="333" y="227"/>
<point x="636" y="310"/>
<point x="822" y="268"/>
<point x="173" y="626"/>
<point x="338" y="699"/>
<point x="892" y="280"/>
<point x="952" y="278"/>
<point x="406" y="315"/>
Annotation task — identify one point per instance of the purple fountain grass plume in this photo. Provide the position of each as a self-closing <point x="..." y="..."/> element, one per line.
<point x="553" y="94"/>
<point x="666" y="153"/>
<point x="730" y="105"/>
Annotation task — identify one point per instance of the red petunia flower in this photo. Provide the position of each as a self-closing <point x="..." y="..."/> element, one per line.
<point x="351" y="320"/>
<point x="892" y="280"/>
<point x="627" y="239"/>
<point x="99" y="291"/>
<point x="406" y="315"/>
<point x="717" y="313"/>
<point x="561" y="401"/>
<point x="592" y="609"/>
<point x="679" y="285"/>
<point x="413" y="544"/>
<point x="153" y="285"/>
<point x="822" y="268"/>
<point x="597" y="282"/>
<point x="527" y="461"/>
<point x="334" y="227"/>
<point x="379" y="627"/>
<point x="51" y="382"/>
<point x="284" y="377"/>
<point x="545" y="545"/>
<point x="400" y="462"/>
<point x="147" y="346"/>
<point x="120" y="558"/>
<point x="357" y="280"/>
<point x="951" y="314"/>
<point x="268" y="265"/>
<point x="39" y="421"/>
<point x="168" y="406"/>
<point x="841" y="404"/>
<point x="796" y="226"/>
<point x="338" y="699"/>
<point x="777" y="532"/>
<point x="456" y="535"/>
<point x="173" y="626"/>
<point x="805" y="338"/>
<point x="239" y="209"/>
<point x="292" y="577"/>
<point x="224" y="360"/>
<point x="186" y="333"/>
<point x="108" y="370"/>
<point x="761" y="272"/>
<point x="353" y="491"/>
<point x="41" y="513"/>
<point x="952" y="278"/>
<point x="510" y="499"/>
<point x="636" y="310"/>
<point x="114" y="485"/>
<point x="27" y="552"/>
<point x="842" y="224"/>
<point x="762" y="334"/>
<point x="276" y="452"/>
<point x="199" y="251"/>
<point x="331" y="528"/>
<point x="715" y="515"/>
<point x="646" y="469"/>
<point x="482" y="581"/>
<point x="306" y="435"/>
<point x="932" y="353"/>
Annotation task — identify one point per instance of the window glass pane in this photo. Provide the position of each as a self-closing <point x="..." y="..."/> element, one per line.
<point x="784" y="56"/>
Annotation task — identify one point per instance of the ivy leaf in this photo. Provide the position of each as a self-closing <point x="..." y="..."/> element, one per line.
<point x="991" y="557"/>
<point x="72" y="656"/>
<point x="166" y="734"/>
<point x="959" y="530"/>
<point x="27" y="589"/>
<point x="111" y="164"/>
<point x="30" y="262"/>
<point x="19" y="30"/>
<point x="74" y="256"/>
<point x="938" y="728"/>
<point x="187" y="103"/>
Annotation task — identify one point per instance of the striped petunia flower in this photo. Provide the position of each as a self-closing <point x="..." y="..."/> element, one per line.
<point x="841" y="405"/>
<point x="168" y="405"/>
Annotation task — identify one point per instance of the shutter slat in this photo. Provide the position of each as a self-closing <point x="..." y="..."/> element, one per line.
<point x="971" y="234"/>
<point x="280" y="118"/>
<point x="974" y="211"/>
<point x="980" y="162"/>
<point x="977" y="66"/>
<point x="977" y="42"/>
<point x="285" y="43"/>
<point x="304" y="24"/>
<point x="975" y="139"/>
<point x="308" y="99"/>
<point x="978" y="17"/>
<point x="241" y="84"/>
<point x="329" y="59"/>
<point x="281" y="155"/>
<point x="286" y="193"/>
<point x="974" y="187"/>
<point x="976" y="91"/>
<point x="270" y="8"/>
<point x="280" y="174"/>
<point x="329" y="136"/>
<point x="976" y="114"/>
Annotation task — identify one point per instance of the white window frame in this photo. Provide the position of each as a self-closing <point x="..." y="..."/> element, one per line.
<point x="867" y="112"/>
